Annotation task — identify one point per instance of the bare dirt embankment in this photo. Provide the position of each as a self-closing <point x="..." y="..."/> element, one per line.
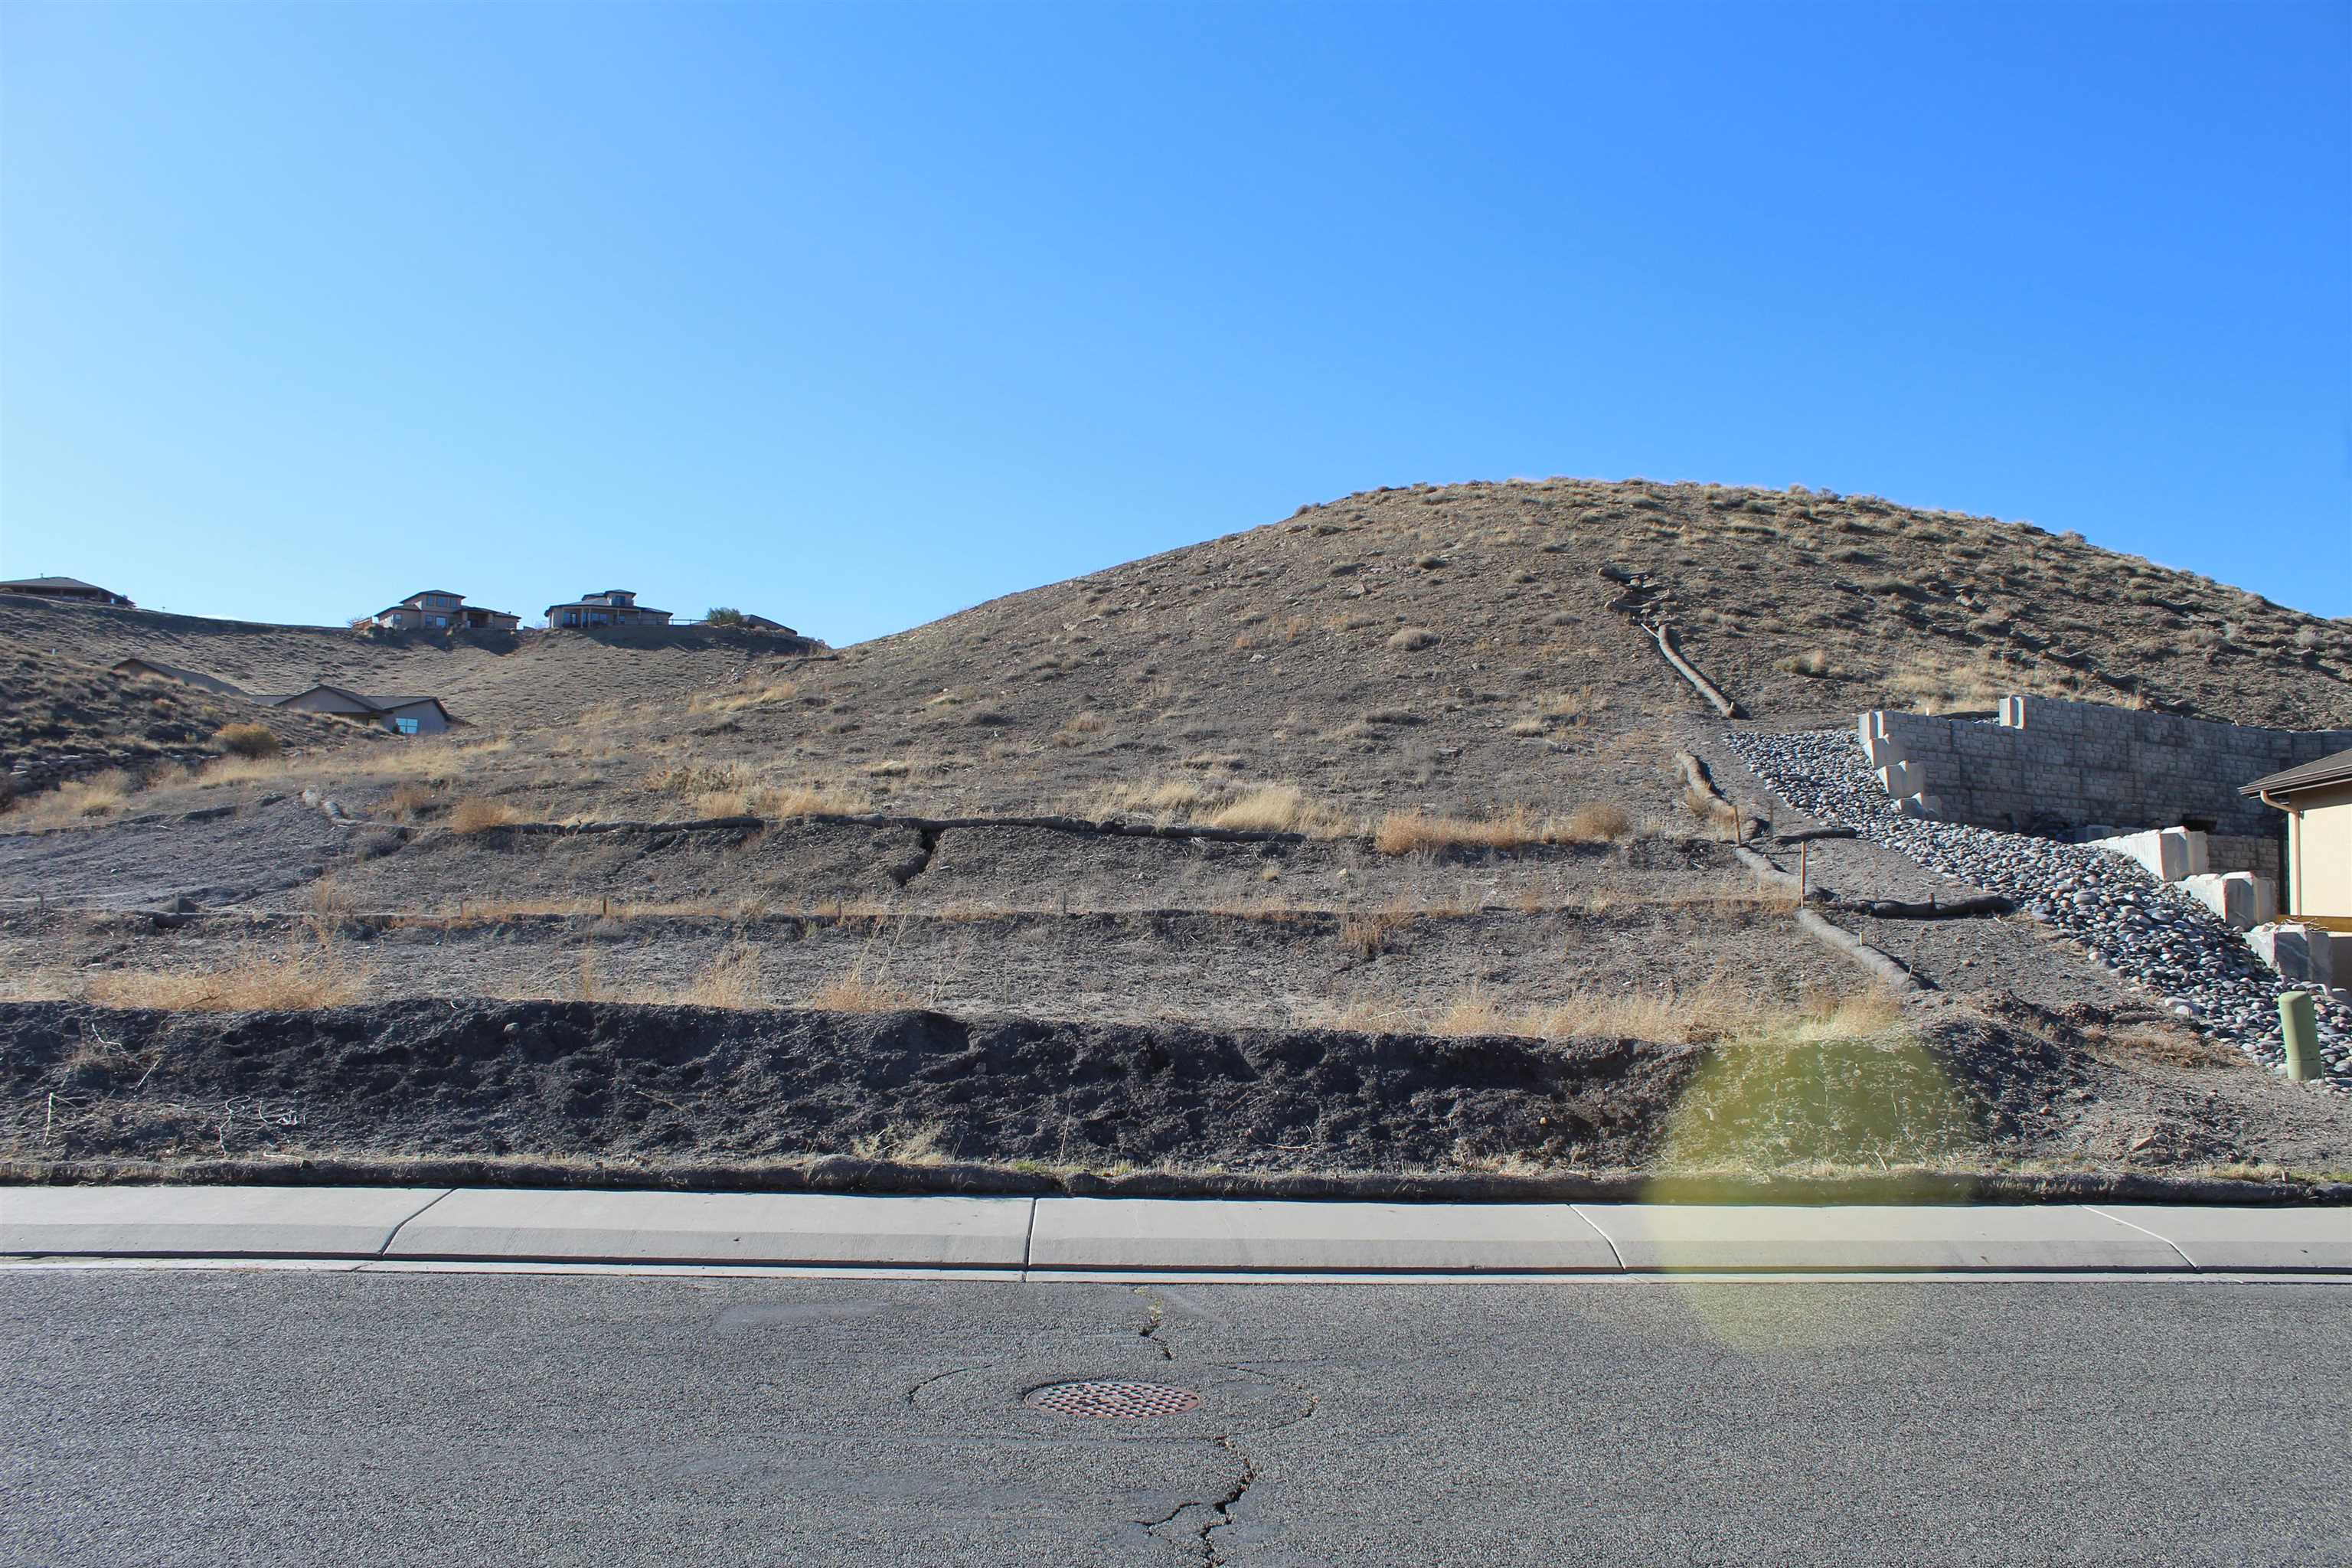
<point x="596" y="1086"/>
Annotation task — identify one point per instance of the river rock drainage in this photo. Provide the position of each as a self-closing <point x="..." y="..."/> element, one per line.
<point x="1112" y="1401"/>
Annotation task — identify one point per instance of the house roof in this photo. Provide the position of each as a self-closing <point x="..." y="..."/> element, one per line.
<point x="2329" y="770"/>
<point x="449" y="592"/>
<point x="603" y="604"/>
<point x="55" y="583"/>
<point x="372" y="704"/>
<point x="463" y="608"/>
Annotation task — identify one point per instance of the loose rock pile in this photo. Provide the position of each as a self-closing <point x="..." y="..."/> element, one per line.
<point x="2149" y="933"/>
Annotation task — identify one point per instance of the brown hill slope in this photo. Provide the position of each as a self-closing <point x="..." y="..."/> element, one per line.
<point x="1468" y="646"/>
<point x="1456" y="649"/>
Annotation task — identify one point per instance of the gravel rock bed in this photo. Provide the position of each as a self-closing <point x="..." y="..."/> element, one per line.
<point x="2152" y="935"/>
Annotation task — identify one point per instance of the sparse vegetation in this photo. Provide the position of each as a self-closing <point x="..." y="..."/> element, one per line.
<point x="252" y="742"/>
<point x="474" y="814"/>
<point x="857" y="992"/>
<point x="254" y="983"/>
<point x="1517" y="827"/>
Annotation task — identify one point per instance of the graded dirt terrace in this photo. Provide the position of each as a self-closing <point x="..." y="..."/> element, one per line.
<point x="1428" y="724"/>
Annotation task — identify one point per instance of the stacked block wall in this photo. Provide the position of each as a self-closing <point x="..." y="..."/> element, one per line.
<point x="2049" y="765"/>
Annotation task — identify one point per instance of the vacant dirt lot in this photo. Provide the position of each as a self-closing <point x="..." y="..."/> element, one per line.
<point x="1437" y="711"/>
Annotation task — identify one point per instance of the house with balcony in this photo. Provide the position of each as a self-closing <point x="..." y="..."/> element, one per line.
<point x="438" y="610"/>
<point x="605" y="607"/>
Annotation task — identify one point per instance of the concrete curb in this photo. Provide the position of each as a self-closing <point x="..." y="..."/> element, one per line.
<point x="1058" y="1236"/>
<point x="848" y="1173"/>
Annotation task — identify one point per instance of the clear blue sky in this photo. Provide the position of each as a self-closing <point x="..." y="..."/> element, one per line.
<point x="854" y="316"/>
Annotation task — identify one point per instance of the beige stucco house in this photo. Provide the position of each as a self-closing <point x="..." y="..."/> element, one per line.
<point x="606" y="607"/>
<point x="2317" y="800"/>
<point x="437" y="609"/>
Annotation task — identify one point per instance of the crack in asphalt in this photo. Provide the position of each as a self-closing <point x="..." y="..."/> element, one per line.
<point x="1223" y="1507"/>
<point x="1159" y="1321"/>
<point x="1220" y="1508"/>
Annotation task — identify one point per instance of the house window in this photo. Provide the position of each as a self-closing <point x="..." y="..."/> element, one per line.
<point x="408" y="726"/>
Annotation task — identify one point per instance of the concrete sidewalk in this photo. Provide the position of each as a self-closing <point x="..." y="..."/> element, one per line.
<point x="1071" y="1237"/>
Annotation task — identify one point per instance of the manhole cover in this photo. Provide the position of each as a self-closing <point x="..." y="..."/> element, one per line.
<point x="1117" y="1401"/>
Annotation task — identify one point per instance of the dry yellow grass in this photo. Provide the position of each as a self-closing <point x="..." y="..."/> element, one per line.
<point x="1598" y="823"/>
<point x="1273" y="809"/>
<point x="75" y="801"/>
<point x="246" y="740"/>
<point x="1408" y="832"/>
<point x="1163" y="799"/>
<point x="700" y="778"/>
<point x="737" y="699"/>
<point x="1713" y="1011"/>
<point x="474" y="814"/>
<point x="808" y="799"/>
<point x="409" y="798"/>
<point x="729" y="979"/>
<point x="856" y="992"/>
<point x="250" y="984"/>
<point x="922" y="1144"/>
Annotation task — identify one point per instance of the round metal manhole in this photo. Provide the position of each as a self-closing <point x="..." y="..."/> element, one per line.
<point x="1113" y="1400"/>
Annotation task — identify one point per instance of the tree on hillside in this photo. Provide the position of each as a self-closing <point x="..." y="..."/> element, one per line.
<point x="721" y="615"/>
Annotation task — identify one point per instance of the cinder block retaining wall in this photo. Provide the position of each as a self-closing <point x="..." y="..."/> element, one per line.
<point x="2050" y="766"/>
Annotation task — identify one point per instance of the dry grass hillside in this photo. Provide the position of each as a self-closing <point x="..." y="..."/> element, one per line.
<point x="1450" y="651"/>
<point x="1462" y="648"/>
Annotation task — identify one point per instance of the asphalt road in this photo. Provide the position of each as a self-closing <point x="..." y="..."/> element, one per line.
<point x="327" y="1418"/>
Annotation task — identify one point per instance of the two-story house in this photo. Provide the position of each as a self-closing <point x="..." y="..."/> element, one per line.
<point x="439" y="609"/>
<point x="607" y="607"/>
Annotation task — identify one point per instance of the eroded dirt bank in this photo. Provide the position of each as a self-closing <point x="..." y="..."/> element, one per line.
<point x="600" y="1081"/>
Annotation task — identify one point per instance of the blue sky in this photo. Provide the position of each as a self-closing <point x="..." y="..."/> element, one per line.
<point x="856" y="316"/>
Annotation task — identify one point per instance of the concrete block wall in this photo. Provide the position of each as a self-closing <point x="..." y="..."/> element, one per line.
<point x="2047" y="765"/>
<point x="2311" y="954"/>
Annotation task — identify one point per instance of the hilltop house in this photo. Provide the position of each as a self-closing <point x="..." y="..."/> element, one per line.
<point x="401" y="715"/>
<point x="72" y="590"/>
<point x="608" y="608"/>
<point x="437" y="608"/>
